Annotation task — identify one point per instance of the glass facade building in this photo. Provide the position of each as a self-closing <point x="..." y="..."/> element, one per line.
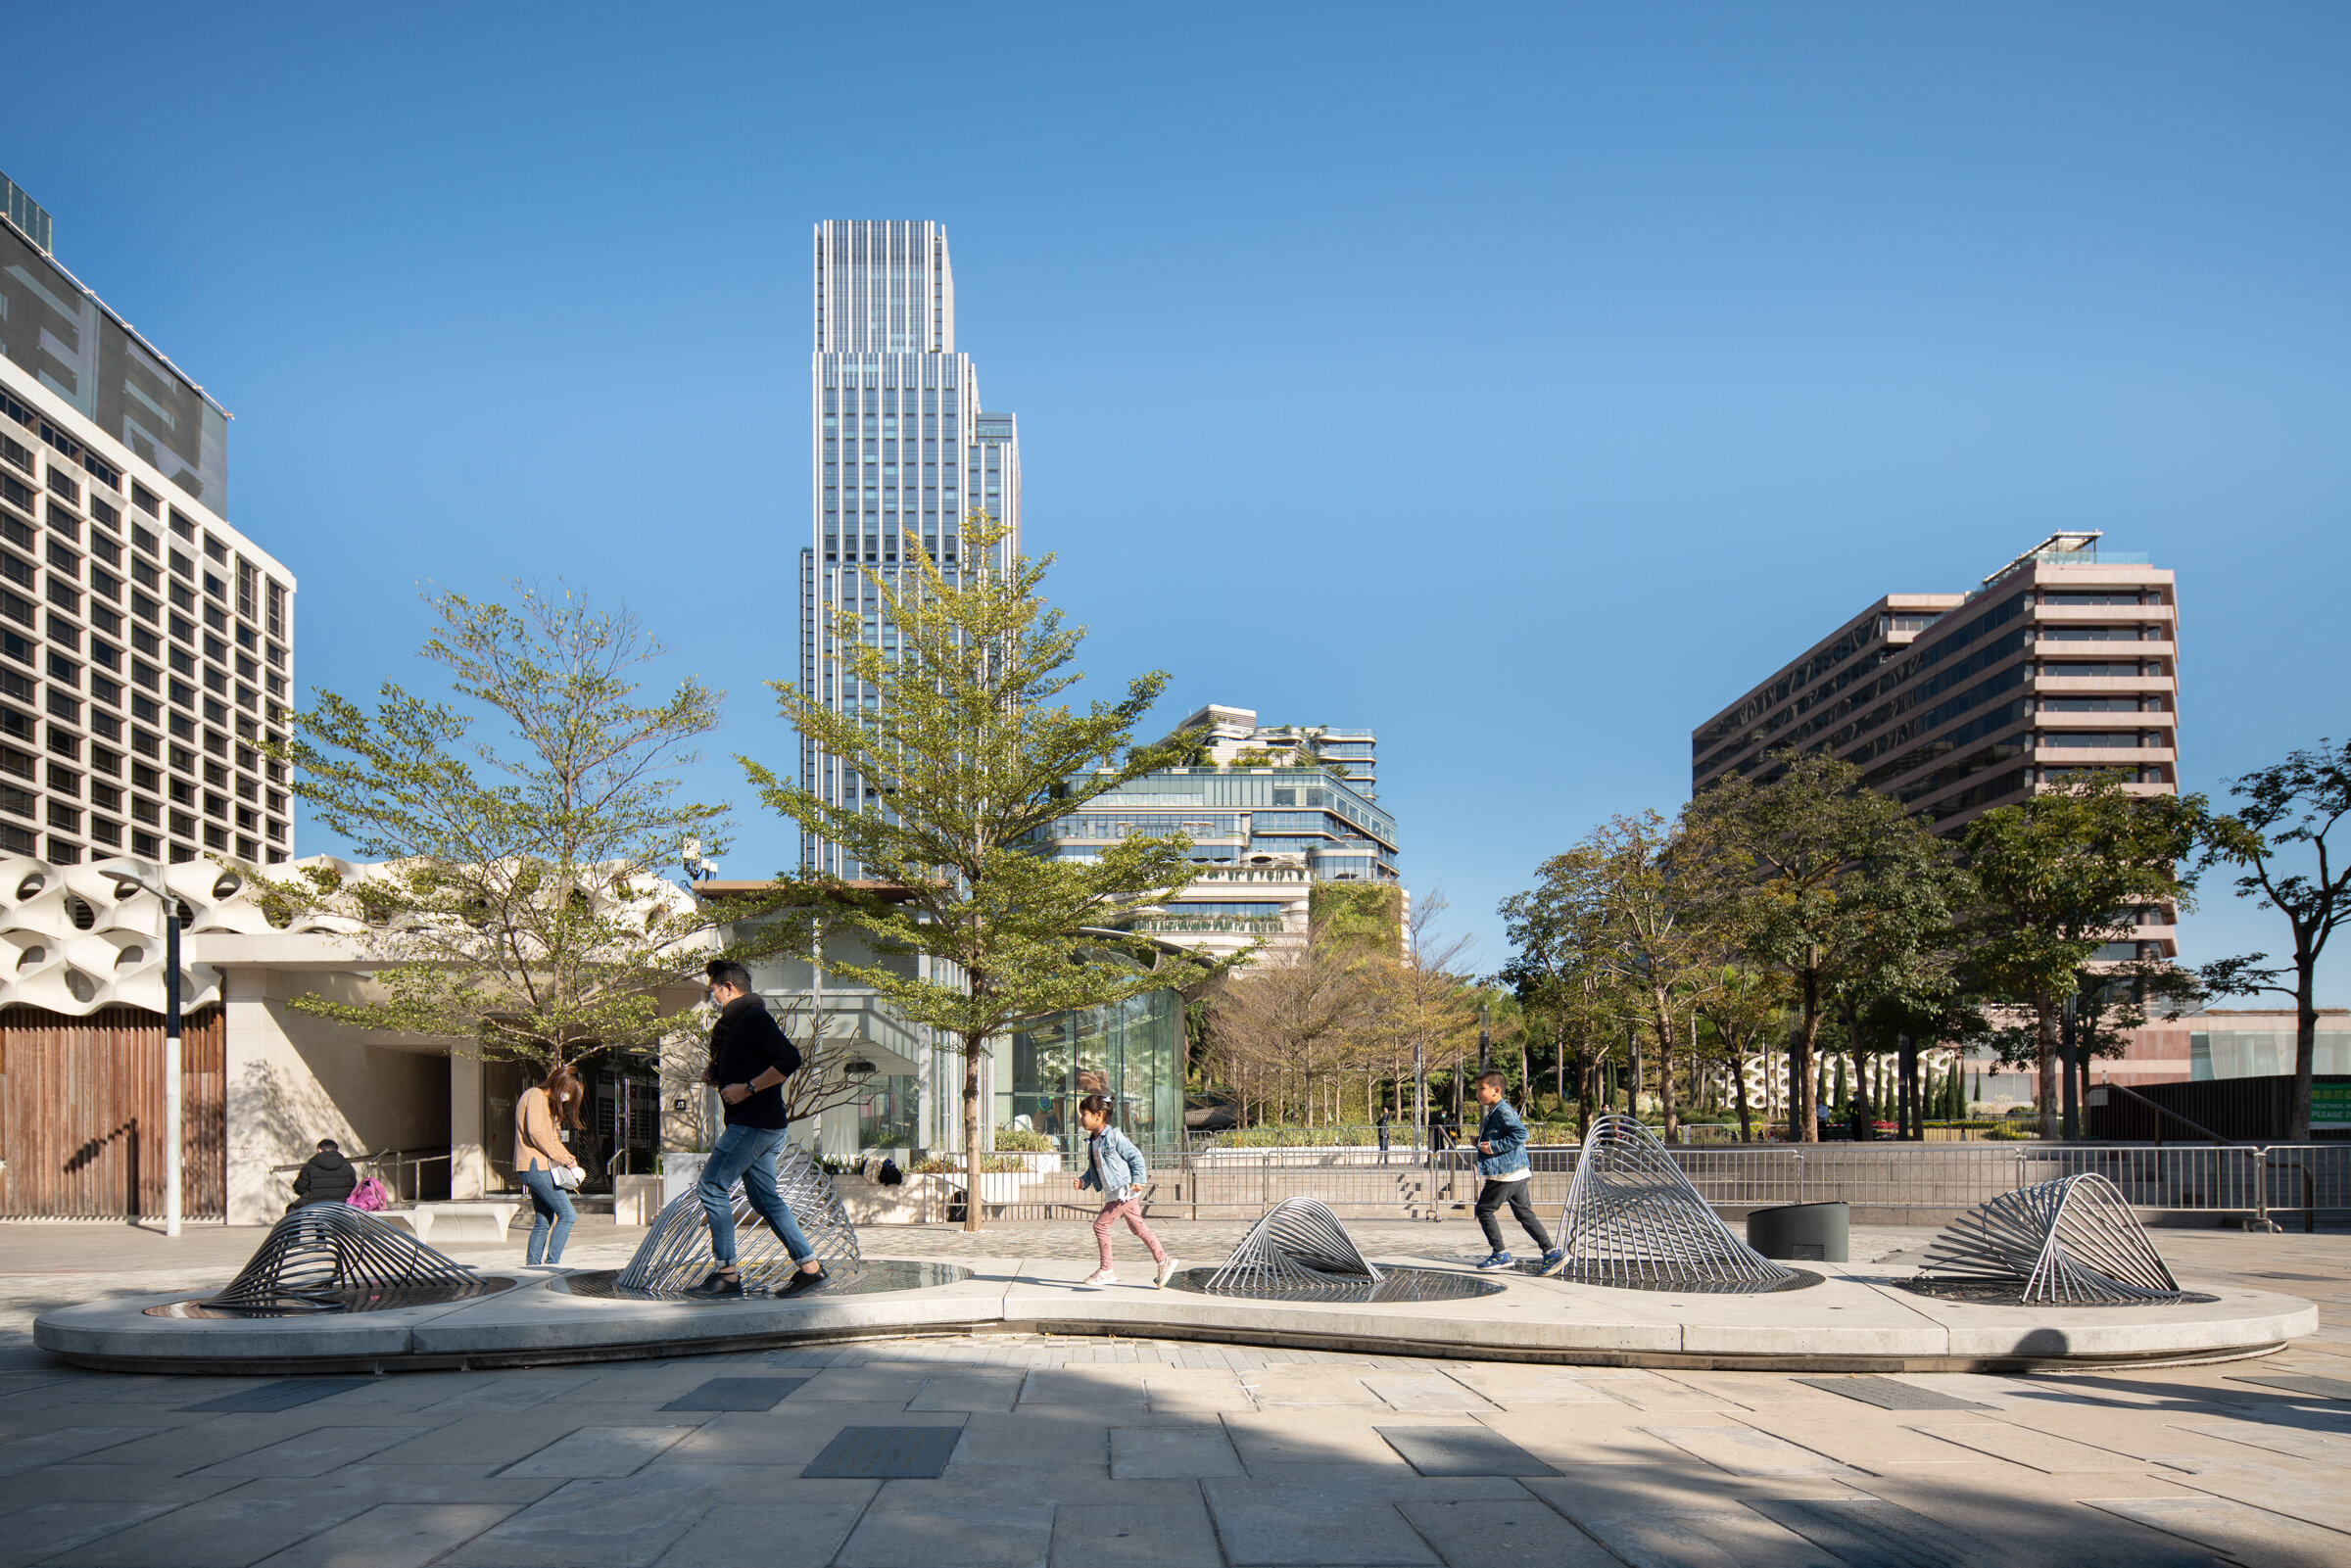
<point x="1131" y="1051"/>
<point x="900" y="450"/>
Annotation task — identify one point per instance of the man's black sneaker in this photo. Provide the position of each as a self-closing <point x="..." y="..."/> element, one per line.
<point x="716" y="1286"/>
<point x="802" y="1282"/>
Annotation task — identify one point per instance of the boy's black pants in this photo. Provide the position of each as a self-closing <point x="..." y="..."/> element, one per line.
<point x="1494" y="1195"/>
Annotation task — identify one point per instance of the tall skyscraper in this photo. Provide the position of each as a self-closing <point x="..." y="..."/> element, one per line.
<point x="146" y="646"/>
<point x="899" y="449"/>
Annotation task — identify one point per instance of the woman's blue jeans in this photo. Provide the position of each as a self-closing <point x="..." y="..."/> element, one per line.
<point x="554" y="1214"/>
<point x="747" y="1155"/>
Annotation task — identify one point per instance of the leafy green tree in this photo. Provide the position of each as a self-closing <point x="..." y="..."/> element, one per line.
<point x="521" y="910"/>
<point x="973" y="758"/>
<point x="1741" y="1007"/>
<point x="2058" y="876"/>
<point x="1825" y="878"/>
<point x="1644" y="890"/>
<point x="2294" y="803"/>
<point x="1565" y="976"/>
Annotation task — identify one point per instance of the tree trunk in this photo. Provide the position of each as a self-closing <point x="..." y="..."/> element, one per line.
<point x="973" y="1047"/>
<point x="2045" y="1065"/>
<point x="2306" y="1044"/>
<point x="1669" y="1102"/>
<point x="1913" y="1119"/>
<point x="1803" y="1097"/>
<point x="1747" y="1125"/>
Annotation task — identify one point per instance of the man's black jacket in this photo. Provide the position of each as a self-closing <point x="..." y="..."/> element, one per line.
<point x="746" y="1042"/>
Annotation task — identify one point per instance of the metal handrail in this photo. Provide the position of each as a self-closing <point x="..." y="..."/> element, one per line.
<point x="2166" y="1110"/>
<point x="398" y="1159"/>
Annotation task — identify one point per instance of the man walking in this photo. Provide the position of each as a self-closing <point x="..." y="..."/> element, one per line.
<point x="749" y="1060"/>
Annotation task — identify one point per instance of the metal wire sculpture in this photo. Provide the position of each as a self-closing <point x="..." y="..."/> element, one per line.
<point x="2071" y="1242"/>
<point x="676" y="1250"/>
<point x="1298" y="1244"/>
<point x="316" y="1258"/>
<point x="1633" y="1219"/>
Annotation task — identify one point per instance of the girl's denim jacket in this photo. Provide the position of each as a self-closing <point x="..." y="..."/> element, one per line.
<point x="1113" y="1158"/>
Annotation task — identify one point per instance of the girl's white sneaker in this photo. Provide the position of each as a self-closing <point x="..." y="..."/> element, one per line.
<point x="1101" y="1276"/>
<point x="1167" y="1269"/>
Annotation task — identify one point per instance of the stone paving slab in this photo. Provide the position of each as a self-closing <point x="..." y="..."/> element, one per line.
<point x="1155" y="1534"/>
<point x="392" y="1535"/>
<point x="2244" y="1533"/>
<point x="2208" y="1466"/>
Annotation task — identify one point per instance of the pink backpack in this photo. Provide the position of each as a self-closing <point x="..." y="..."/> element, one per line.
<point x="369" y="1194"/>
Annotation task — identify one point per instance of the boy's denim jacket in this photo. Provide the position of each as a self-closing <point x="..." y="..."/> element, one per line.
<point x="1111" y="1155"/>
<point x="1500" y="1128"/>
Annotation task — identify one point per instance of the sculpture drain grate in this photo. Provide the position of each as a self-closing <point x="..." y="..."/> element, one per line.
<point x="676" y="1251"/>
<point x="2072" y="1242"/>
<point x="1634" y="1221"/>
<point x="1299" y="1252"/>
<point x="331" y="1257"/>
<point x="1298" y="1243"/>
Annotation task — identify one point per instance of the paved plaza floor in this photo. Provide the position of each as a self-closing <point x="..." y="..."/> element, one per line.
<point x="1135" y="1454"/>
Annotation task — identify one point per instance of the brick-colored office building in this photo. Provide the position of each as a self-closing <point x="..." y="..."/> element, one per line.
<point x="2063" y="661"/>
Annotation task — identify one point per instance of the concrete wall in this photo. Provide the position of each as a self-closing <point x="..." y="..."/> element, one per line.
<point x="294" y="1078"/>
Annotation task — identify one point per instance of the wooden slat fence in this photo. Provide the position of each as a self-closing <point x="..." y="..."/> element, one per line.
<point x="81" y="1102"/>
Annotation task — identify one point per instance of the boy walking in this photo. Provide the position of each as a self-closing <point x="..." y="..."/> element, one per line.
<point x="1501" y="1162"/>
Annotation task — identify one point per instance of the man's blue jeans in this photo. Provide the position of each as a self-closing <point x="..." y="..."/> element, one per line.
<point x="747" y="1155"/>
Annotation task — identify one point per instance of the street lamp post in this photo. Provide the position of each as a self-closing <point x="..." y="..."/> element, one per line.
<point x="173" y="1151"/>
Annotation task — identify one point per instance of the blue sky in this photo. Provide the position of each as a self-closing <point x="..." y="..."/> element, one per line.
<point x="1524" y="382"/>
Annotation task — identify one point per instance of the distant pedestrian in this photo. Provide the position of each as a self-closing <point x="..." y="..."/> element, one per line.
<point x="1381" y="1121"/>
<point x="326" y="1177"/>
<point x="1501" y="1162"/>
<point x="1115" y="1166"/>
<point x="541" y="1112"/>
<point x="749" y="1060"/>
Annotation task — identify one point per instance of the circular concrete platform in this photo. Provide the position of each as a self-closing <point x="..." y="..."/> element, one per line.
<point x="1854" y="1320"/>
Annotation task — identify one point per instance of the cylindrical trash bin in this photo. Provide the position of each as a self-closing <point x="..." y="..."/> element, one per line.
<point x="1802" y="1233"/>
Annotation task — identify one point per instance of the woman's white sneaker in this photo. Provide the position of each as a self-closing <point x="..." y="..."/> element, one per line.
<point x="1167" y="1268"/>
<point x="1101" y="1276"/>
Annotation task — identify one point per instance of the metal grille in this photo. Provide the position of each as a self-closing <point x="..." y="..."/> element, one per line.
<point x="1634" y="1218"/>
<point x="2070" y="1241"/>
<point x="676" y="1250"/>
<point x="1299" y="1245"/>
<point x="318" y="1253"/>
<point x="1933" y="1179"/>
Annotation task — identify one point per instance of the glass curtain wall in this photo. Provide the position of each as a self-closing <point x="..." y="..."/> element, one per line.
<point x="1131" y="1051"/>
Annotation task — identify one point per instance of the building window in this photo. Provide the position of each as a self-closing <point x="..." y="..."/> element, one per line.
<point x="62" y="853"/>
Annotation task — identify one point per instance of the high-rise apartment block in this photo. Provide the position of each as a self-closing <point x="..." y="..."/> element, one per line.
<point x="900" y="450"/>
<point x="146" y="646"/>
<point x="2063" y="663"/>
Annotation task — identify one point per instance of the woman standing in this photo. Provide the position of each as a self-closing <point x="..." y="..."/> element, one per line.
<point x="538" y="1152"/>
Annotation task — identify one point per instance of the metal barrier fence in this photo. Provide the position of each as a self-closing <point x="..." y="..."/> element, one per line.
<point x="2294" y="1183"/>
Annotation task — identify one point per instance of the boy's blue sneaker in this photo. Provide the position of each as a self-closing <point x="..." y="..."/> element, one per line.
<point x="1499" y="1260"/>
<point x="1551" y="1259"/>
